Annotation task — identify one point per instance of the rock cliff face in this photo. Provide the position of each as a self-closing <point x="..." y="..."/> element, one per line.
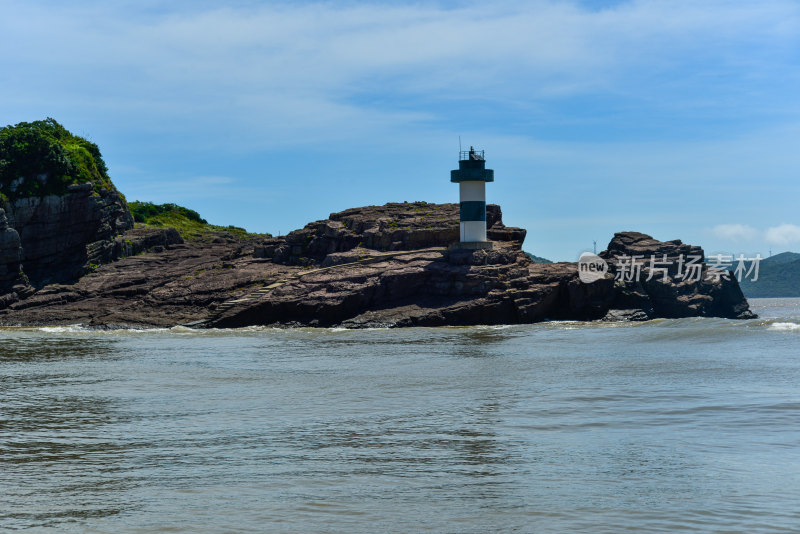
<point x="10" y="257"/>
<point x="57" y="195"/>
<point x="64" y="236"/>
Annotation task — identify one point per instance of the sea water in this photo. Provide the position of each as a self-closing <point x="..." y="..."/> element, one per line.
<point x="667" y="425"/>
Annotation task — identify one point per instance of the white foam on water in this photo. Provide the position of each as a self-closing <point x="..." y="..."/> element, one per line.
<point x="86" y="330"/>
<point x="784" y="327"/>
<point x="62" y="329"/>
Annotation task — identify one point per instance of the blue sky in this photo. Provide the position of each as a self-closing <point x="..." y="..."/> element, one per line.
<point x="680" y="119"/>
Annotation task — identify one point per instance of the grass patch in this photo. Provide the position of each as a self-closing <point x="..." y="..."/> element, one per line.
<point x="187" y="222"/>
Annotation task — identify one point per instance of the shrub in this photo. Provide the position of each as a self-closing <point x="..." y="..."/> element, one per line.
<point x="144" y="212"/>
<point x="43" y="157"/>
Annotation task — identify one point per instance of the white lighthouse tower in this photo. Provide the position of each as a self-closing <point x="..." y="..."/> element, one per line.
<point x="471" y="177"/>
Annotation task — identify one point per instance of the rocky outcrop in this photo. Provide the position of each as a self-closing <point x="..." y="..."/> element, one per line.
<point x="228" y="282"/>
<point x="664" y="282"/>
<point x="393" y="226"/>
<point x="140" y="240"/>
<point x="19" y="293"/>
<point x="428" y="288"/>
<point x="497" y="286"/>
<point x="158" y="281"/>
<point x="58" y="196"/>
<point x="65" y="236"/>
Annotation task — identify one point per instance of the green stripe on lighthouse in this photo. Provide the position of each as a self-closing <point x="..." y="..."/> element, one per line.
<point x="473" y="210"/>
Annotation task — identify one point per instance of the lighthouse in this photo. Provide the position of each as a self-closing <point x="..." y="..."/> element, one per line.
<point x="471" y="177"/>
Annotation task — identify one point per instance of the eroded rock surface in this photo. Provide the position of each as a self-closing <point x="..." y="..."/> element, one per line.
<point x="498" y="286"/>
<point x="357" y="270"/>
<point x="430" y="288"/>
<point x="163" y="283"/>
<point x="667" y="285"/>
<point x="12" y="279"/>
<point x="393" y="226"/>
<point x="64" y="236"/>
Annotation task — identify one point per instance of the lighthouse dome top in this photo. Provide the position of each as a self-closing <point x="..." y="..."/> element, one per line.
<point x="472" y="167"/>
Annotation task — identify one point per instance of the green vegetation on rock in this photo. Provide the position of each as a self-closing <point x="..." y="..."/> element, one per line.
<point x="147" y="212"/>
<point x="187" y="222"/>
<point x="43" y="158"/>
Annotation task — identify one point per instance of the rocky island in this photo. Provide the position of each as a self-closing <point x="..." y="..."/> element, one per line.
<point x="71" y="252"/>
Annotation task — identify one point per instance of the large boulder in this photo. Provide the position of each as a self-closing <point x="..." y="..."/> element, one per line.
<point x="665" y="285"/>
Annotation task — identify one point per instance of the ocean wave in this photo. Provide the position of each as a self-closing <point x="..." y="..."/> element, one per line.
<point x="62" y="329"/>
<point x="79" y="329"/>
<point x="784" y="327"/>
<point x="693" y="327"/>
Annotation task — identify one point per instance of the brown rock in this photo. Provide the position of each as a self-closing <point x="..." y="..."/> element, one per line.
<point x="347" y="283"/>
<point x="393" y="226"/>
<point x="677" y="294"/>
<point x="11" y="276"/>
<point x="64" y="236"/>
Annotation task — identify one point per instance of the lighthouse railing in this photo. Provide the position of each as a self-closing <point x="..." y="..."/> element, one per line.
<point x="470" y="154"/>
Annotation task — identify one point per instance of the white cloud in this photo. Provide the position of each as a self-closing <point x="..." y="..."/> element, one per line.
<point x="784" y="234"/>
<point x="300" y="73"/>
<point x="735" y="232"/>
<point x="557" y="92"/>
